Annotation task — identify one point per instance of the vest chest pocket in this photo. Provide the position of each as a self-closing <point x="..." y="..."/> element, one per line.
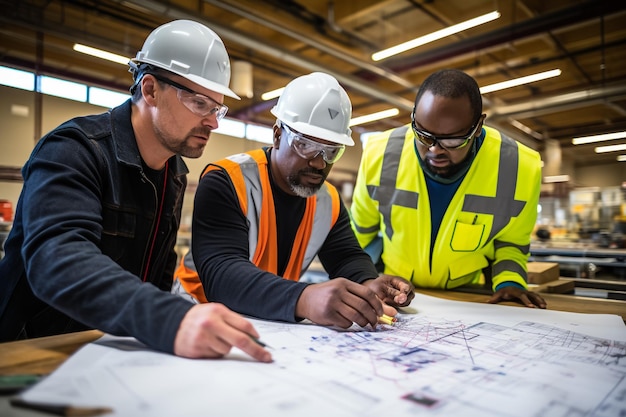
<point x="466" y="237"/>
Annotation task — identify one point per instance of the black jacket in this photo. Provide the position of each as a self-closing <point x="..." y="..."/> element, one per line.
<point x="80" y="243"/>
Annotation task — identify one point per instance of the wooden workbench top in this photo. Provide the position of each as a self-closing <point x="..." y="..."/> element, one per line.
<point x="43" y="355"/>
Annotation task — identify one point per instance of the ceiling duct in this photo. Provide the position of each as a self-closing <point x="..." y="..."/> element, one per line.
<point x="279" y="54"/>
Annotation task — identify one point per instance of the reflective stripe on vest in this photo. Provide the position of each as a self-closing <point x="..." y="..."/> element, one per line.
<point x="250" y="177"/>
<point x="388" y="195"/>
<point x="494" y="201"/>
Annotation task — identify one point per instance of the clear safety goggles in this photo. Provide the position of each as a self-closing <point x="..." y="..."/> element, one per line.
<point x="197" y="103"/>
<point x="449" y="143"/>
<point x="308" y="148"/>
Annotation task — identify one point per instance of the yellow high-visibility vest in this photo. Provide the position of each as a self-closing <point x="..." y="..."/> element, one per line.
<point x="488" y="221"/>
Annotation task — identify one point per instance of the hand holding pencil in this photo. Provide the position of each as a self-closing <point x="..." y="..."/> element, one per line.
<point x="389" y="320"/>
<point x="211" y="330"/>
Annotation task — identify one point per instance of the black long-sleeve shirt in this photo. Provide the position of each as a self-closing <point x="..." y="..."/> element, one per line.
<point x="221" y="255"/>
<point x="82" y="240"/>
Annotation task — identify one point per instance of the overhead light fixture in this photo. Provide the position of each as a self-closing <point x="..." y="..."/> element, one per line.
<point x="526" y="129"/>
<point x="598" y="138"/>
<point x="519" y="81"/>
<point x="99" y="53"/>
<point x="422" y="40"/>
<point x="550" y="179"/>
<point x="610" y="148"/>
<point x="621" y="158"/>
<point x="272" y="94"/>
<point x="373" y="117"/>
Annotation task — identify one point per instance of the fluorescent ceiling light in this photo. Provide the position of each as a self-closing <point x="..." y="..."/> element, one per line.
<point x="621" y="158"/>
<point x="526" y="129"/>
<point x="519" y="81"/>
<point x="101" y="54"/>
<point x="272" y="94"/>
<point x="555" y="178"/>
<point x="610" y="148"/>
<point x="422" y="40"/>
<point x="598" y="138"/>
<point x="374" y="116"/>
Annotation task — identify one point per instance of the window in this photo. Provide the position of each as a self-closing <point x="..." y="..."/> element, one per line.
<point x="62" y="88"/>
<point x="260" y="133"/>
<point x="97" y="96"/>
<point x="106" y="98"/>
<point x="231" y="127"/>
<point x="16" y="78"/>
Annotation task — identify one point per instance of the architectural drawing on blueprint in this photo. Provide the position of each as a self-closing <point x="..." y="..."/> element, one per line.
<point x="451" y="367"/>
<point x="426" y="364"/>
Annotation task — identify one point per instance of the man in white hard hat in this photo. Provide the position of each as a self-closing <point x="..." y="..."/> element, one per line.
<point x="92" y="245"/>
<point x="261" y="217"/>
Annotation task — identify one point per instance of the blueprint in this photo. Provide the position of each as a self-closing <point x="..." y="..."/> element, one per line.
<point x="432" y="362"/>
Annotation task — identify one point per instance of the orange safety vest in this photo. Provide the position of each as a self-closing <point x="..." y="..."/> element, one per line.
<point x="250" y="177"/>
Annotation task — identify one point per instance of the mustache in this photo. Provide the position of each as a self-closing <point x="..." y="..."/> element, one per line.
<point x="312" y="171"/>
<point x="201" y="131"/>
<point x="437" y="157"/>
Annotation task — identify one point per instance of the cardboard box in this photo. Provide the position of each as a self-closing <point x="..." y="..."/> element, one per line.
<point x="542" y="272"/>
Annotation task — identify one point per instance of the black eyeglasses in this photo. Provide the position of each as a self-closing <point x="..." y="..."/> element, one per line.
<point x="449" y="143"/>
<point x="197" y="103"/>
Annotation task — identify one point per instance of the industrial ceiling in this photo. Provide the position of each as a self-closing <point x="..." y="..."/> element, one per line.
<point x="283" y="39"/>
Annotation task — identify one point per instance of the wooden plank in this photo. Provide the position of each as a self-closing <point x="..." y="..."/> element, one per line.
<point x="559" y="286"/>
<point x="542" y="272"/>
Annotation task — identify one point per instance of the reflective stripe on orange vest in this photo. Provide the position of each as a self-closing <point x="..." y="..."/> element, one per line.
<point x="250" y="177"/>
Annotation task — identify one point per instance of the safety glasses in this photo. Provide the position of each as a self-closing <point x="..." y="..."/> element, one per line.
<point x="308" y="148"/>
<point x="197" y="103"/>
<point x="449" y="143"/>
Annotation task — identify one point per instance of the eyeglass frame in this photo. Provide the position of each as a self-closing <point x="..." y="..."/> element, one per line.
<point x="320" y="147"/>
<point x="219" y="110"/>
<point x="420" y="134"/>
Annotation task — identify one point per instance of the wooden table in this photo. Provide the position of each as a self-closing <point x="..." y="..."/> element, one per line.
<point x="43" y="355"/>
<point x="38" y="356"/>
<point x="560" y="302"/>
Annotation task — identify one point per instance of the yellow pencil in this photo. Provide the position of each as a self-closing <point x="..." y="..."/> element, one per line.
<point x="393" y="319"/>
<point x="387" y="319"/>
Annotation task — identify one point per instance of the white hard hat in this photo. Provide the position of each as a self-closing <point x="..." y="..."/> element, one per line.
<point x="191" y="50"/>
<point x="316" y="105"/>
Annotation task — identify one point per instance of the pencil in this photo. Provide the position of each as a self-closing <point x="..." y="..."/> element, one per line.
<point x="387" y="319"/>
<point x="260" y="343"/>
<point x="60" y="409"/>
